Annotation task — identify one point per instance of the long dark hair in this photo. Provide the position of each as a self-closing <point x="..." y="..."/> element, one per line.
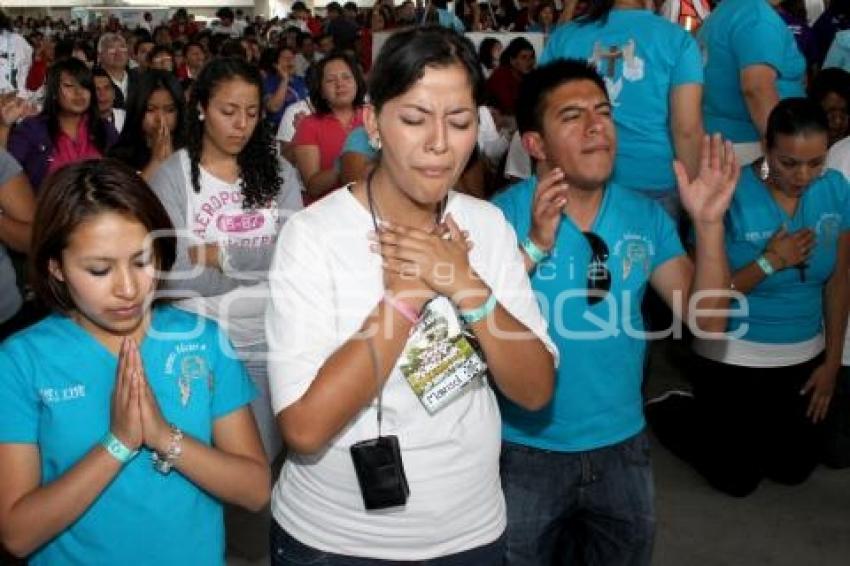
<point x="513" y="49"/>
<point x="132" y="147"/>
<point x="83" y="75"/>
<point x="259" y="169"/>
<point x="485" y="51"/>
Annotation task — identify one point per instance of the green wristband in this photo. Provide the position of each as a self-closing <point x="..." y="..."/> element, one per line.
<point x="472" y="316"/>
<point x="765" y="265"/>
<point x="535" y="254"/>
<point x="117" y="449"/>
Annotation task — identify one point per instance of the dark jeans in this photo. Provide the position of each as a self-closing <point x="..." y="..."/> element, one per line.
<point x="590" y="508"/>
<point x="743" y="425"/>
<point x="287" y="551"/>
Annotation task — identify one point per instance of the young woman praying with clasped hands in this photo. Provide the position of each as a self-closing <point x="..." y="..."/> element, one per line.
<point x="124" y="425"/>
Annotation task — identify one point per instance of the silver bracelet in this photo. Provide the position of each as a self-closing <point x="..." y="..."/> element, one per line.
<point x="163" y="463"/>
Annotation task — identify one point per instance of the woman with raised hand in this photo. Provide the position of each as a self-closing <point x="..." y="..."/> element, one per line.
<point x="379" y="293"/>
<point x="282" y="87"/>
<point x="760" y="393"/>
<point x="69" y="127"/>
<point x="124" y="423"/>
<point x="228" y="194"/>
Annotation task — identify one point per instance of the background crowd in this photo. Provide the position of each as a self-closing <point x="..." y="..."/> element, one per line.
<point x="239" y="124"/>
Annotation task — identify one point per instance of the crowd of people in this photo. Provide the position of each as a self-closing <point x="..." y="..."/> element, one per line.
<point x="403" y="295"/>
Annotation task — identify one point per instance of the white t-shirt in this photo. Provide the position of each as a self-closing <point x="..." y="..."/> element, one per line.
<point x="302" y="63"/>
<point x="286" y="130"/>
<point x="119" y="116"/>
<point x="322" y="289"/>
<point x="491" y="142"/>
<point x="215" y="215"/>
<point x="518" y="163"/>
<point x="759" y="354"/>
<point x="838" y="158"/>
<point x="232" y="30"/>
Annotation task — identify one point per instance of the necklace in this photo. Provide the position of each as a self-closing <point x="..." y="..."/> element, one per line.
<point x="441" y="208"/>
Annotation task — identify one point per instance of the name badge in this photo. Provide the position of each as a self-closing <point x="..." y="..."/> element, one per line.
<point x="438" y="360"/>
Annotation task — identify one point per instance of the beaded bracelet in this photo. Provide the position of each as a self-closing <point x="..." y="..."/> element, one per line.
<point x="163" y="463"/>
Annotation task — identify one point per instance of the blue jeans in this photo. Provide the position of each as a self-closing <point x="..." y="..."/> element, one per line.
<point x="590" y="508"/>
<point x="287" y="551"/>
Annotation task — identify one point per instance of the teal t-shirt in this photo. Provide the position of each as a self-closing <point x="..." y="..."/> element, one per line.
<point x="738" y="34"/>
<point x="783" y="309"/>
<point x="597" y="399"/>
<point x="57" y="387"/>
<point x="358" y="142"/>
<point x="642" y="59"/>
<point x="449" y="20"/>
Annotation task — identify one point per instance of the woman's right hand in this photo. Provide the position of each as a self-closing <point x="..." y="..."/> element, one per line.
<point x="125" y="414"/>
<point x="791" y="249"/>
<point x="403" y="283"/>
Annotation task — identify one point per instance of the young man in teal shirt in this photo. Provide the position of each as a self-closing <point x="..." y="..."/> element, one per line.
<point x="576" y="474"/>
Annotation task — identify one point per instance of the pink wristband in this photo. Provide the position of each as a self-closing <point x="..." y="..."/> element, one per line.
<point x="405" y="309"/>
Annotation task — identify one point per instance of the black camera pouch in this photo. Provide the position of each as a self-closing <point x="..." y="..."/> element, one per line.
<point x="380" y="472"/>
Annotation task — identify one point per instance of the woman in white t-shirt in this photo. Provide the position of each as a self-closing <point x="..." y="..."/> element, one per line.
<point x="228" y="194"/>
<point x="378" y="286"/>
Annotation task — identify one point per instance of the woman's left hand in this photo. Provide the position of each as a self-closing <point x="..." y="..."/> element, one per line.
<point x="821" y="385"/>
<point x="706" y="198"/>
<point x="440" y="258"/>
<point x="156" y="433"/>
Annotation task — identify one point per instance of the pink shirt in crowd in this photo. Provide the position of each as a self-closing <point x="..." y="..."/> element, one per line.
<point x="67" y="150"/>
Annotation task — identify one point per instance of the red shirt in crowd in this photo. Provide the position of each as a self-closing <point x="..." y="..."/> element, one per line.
<point x="503" y="87"/>
<point x="326" y="132"/>
<point x="37" y="74"/>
